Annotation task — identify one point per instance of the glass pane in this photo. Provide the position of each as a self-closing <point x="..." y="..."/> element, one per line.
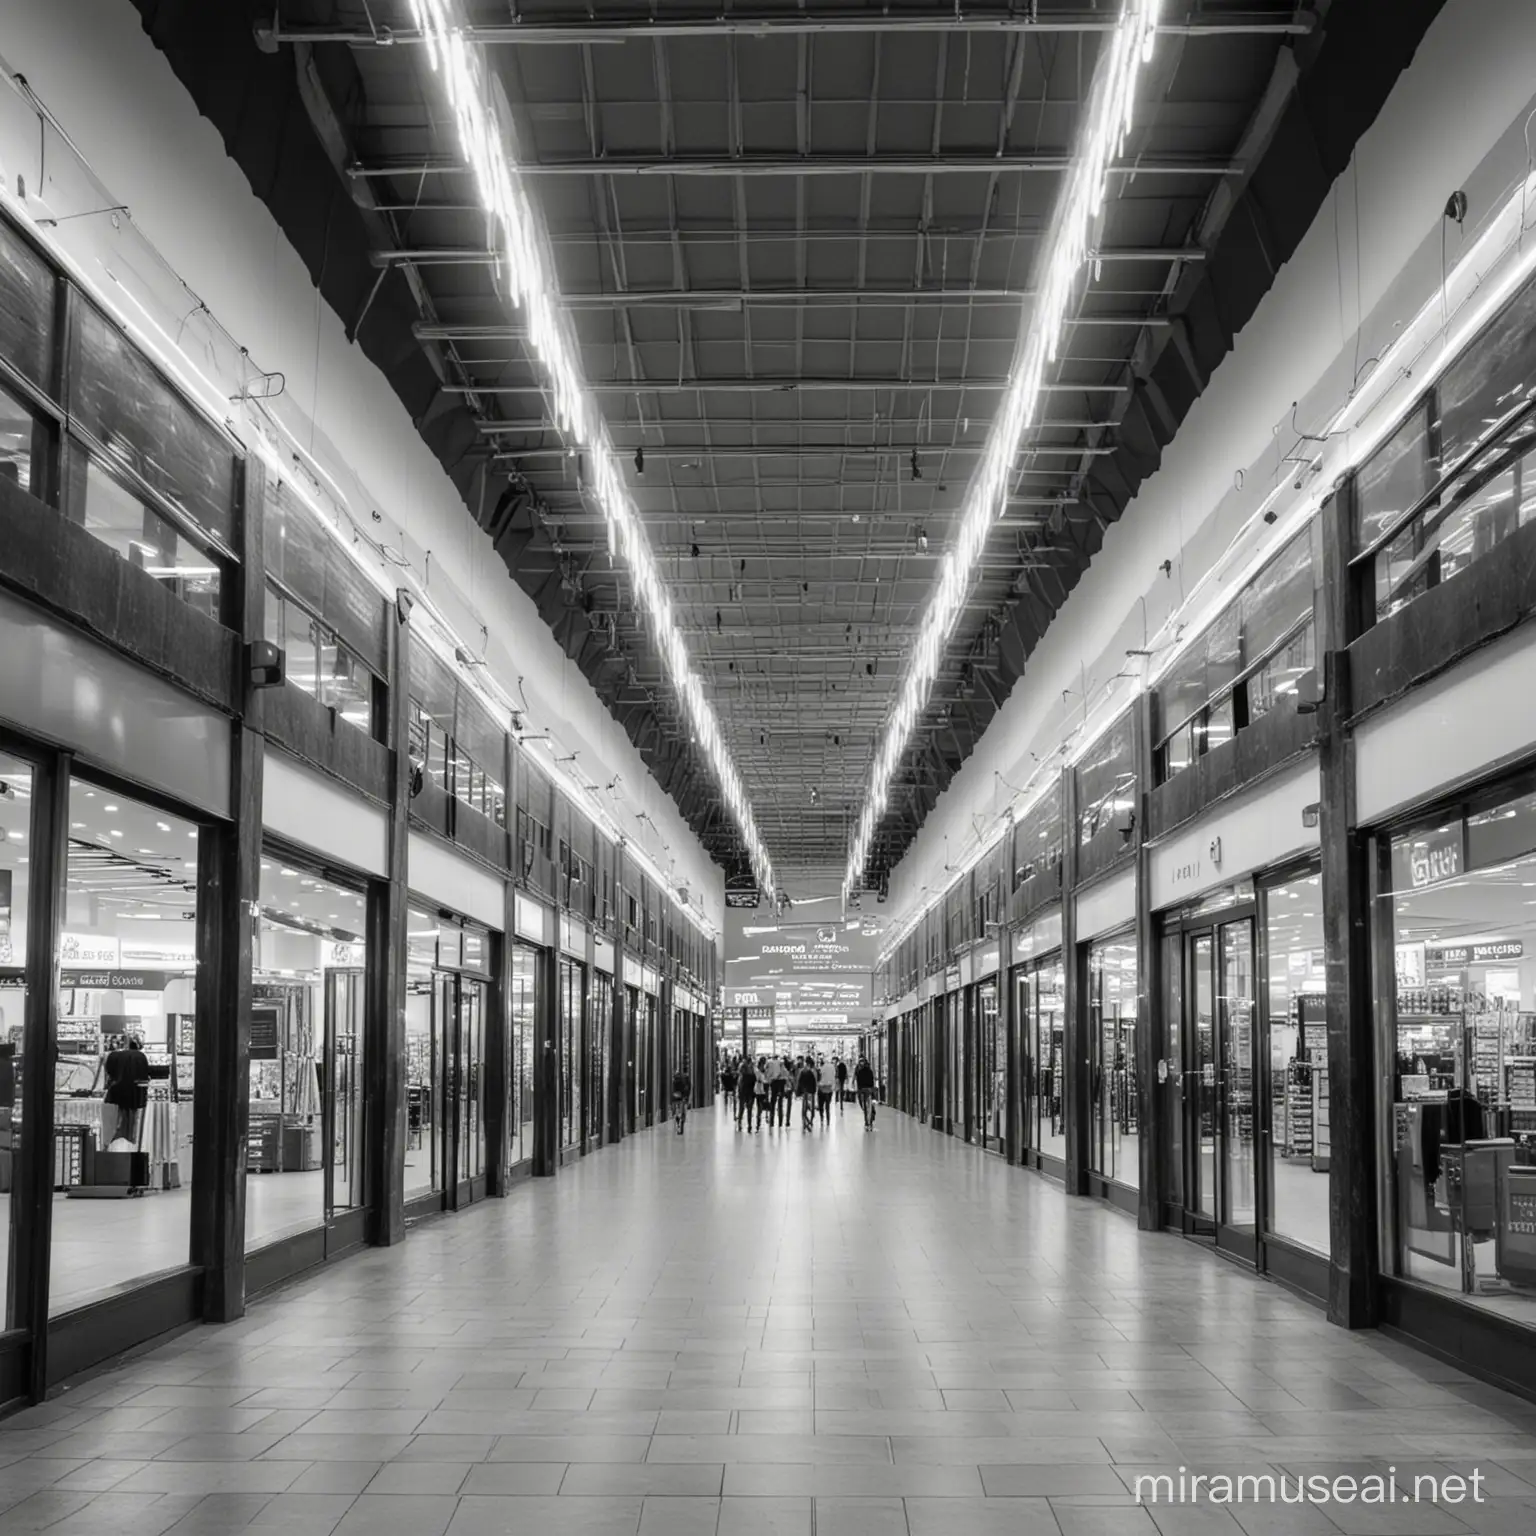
<point x="16" y="833"/>
<point x="1051" y="1053"/>
<point x="1219" y="723"/>
<point x="1277" y="680"/>
<point x="427" y="1017"/>
<point x="1224" y="651"/>
<point x="23" y="443"/>
<point x="1494" y="376"/>
<point x="524" y="1012"/>
<point x="1237" y="1068"/>
<point x="1112" y="1002"/>
<point x="1200" y="1072"/>
<point x="143" y="424"/>
<point x="1183" y="690"/>
<point x="26" y="310"/>
<point x="1298" y="1063"/>
<point x="299" y="637"/>
<point x="347" y="685"/>
<point x="1170" y="1073"/>
<point x="470" y="1077"/>
<point x="1106" y="778"/>
<point x="308" y="959"/>
<point x="1393" y="479"/>
<point x="1278" y="599"/>
<point x="114" y="515"/>
<point x="600" y="1023"/>
<point x="125" y="1066"/>
<point x="1460" y="1054"/>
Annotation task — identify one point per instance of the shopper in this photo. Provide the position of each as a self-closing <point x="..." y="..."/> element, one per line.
<point x="864" y="1085"/>
<point x="826" y="1086"/>
<point x="841" y="1068"/>
<point x="682" y="1091"/>
<point x="727" y="1081"/>
<point x="760" y="1090"/>
<point x="805" y="1086"/>
<point x="778" y="1087"/>
<point x="746" y="1091"/>
<point x="127" y="1075"/>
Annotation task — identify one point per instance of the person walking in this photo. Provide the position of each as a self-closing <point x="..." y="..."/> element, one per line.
<point x="841" y="1068"/>
<point x="760" y="1090"/>
<point x="727" y="1081"/>
<point x="682" y="1091"/>
<point x="805" y="1086"/>
<point x="746" y="1092"/>
<point x="826" y="1086"/>
<point x="778" y="1085"/>
<point x="864" y="1086"/>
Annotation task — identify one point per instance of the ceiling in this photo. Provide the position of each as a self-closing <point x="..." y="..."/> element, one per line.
<point x="795" y="243"/>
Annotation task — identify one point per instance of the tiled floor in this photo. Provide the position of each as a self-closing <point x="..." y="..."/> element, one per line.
<point x="833" y="1334"/>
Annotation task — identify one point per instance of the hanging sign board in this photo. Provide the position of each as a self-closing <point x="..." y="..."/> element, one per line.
<point x="87" y="949"/>
<point x="533" y="919"/>
<point x="1455" y="957"/>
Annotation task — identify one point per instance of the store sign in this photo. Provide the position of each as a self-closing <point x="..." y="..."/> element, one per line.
<point x="1452" y="957"/>
<point x="758" y="1015"/>
<point x="1429" y="858"/>
<point x="133" y="952"/>
<point x="87" y="949"/>
<point x="748" y="898"/>
<point x="339" y="956"/>
<point x="121" y="981"/>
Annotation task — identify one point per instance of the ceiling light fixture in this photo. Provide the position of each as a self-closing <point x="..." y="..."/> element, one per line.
<point x="485" y="134"/>
<point x="1111" y="99"/>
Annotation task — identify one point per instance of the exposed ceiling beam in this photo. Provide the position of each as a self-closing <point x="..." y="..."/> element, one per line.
<point x="646" y="29"/>
<point x="826" y="450"/>
<point x="772" y="386"/>
<point x="805" y="165"/>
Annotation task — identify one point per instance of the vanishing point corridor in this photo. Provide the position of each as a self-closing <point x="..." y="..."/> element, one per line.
<point x="770" y="1335"/>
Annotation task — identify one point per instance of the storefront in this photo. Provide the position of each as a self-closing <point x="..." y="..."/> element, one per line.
<point x="452" y="954"/>
<point x="527" y="1009"/>
<point x="1108" y="995"/>
<point x="987" y="1052"/>
<point x="1242" y="1093"/>
<point x="1039" y="988"/>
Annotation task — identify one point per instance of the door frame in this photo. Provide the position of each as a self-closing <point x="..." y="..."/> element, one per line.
<point x="1215" y="1229"/>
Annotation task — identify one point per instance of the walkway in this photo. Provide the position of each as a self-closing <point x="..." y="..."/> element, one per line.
<point x="842" y="1334"/>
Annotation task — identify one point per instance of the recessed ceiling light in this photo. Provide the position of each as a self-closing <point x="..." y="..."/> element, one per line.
<point x="109" y="808"/>
<point x="76" y="826"/>
<point x="191" y="834"/>
<point x="290" y="873"/>
<point x="17" y="837"/>
<point x="164" y="826"/>
<point x="113" y="832"/>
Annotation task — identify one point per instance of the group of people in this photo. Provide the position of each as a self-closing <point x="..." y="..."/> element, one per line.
<point x="766" y="1088"/>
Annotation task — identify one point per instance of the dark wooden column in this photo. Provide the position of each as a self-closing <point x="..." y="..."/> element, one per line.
<point x="546" y="1065"/>
<point x="1075" y="1077"/>
<point x="613" y="1112"/>
<point x="385" y="1060"/>
<point x="228" y="890"/>
<point x="1149" y="990"/>
<point x="33" y="1186"/>
<point x="664" y="1065"/>
<point x="1346" y="950"/>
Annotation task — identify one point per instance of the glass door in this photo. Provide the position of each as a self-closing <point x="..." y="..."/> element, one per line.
<point x="1050" y="1056"/>
<point x="633" y="1107"/>
<point x="19" y="838"/>
<point x="342" y="1105"/>
<point x="1236" y="1088"/>
<point x="571" y="1024"/>
<point x="1199" y="1085"/>
<point x="524" y="1010"/>
<point x="1218" y="1088"/>
<point x="599" y="1021"/>
<point x="1024" y="1027"/>
<point x="645" y="1053"/>
<point x="469" y="1082"/>
<point x="992" y="1070"/>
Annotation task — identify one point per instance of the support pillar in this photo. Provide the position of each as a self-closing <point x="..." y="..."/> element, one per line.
<point x="1149" y="1204"/>
<point x="1346" y="886"/>
<point x="546" y="1069"/>
<point x="1076" y="1085"/>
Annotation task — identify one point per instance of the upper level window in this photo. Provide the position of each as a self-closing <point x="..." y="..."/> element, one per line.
<point x="1037" y="838"/>
<point x="319" y="663"/>
<point x="23" y="445"/>
<point x="126" y="523"/>
<point x="1459" y="503"/>
<point x="1249" y="660"/>
<point x="1106" y="782"/>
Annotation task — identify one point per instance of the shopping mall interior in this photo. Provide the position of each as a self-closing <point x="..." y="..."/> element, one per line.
<point x="767" y="769"/>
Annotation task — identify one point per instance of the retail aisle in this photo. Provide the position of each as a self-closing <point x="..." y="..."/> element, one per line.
<point x="731" y="1335"/>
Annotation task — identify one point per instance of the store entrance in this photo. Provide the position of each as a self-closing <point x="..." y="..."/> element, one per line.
<point x="464" y="1004"/>
<point x="1217" y="1180"/>
<point x="990" y="1064"/>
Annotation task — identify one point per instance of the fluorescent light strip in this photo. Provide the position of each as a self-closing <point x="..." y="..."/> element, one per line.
<point x="460" y="67"/>
<point x="1397" y="380"/>
<point x="1111" y="99"/>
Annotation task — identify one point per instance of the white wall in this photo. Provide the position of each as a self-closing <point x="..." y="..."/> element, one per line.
<point x="1453" y="120"/>
<point x="118" y="99"/>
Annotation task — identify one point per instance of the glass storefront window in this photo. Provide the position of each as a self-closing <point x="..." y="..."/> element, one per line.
<point x="304" y="1159"/>
<point x="571" y="1022"/>
<point x="1115" y="1109"/>
<point x="991" y="1069"/>
<point x="1458" y="1048"/>
<point x="16" y="834"/>
<point x="1298" y="1062"/>
<point x="125" y="1067"/>
<point x="524" y="1011"/>
<point x="425" y="1046"/>
<point x="1050" y="1024"/>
